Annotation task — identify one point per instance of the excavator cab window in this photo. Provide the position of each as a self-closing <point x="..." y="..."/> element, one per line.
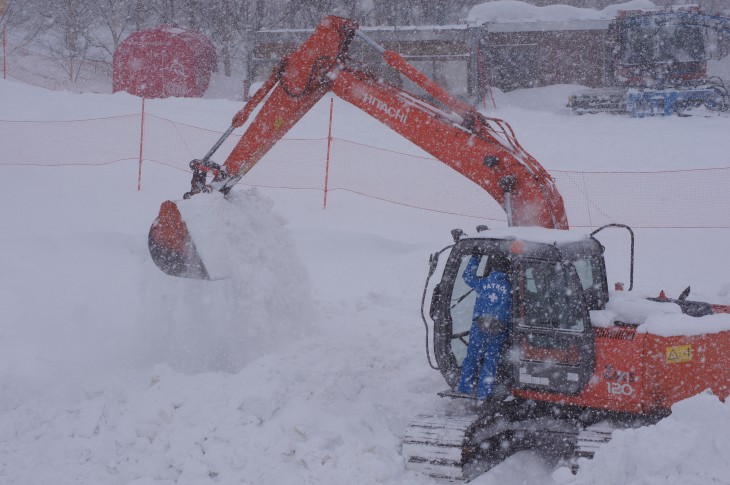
<point x="587" y="259"/>
<point x="552" y="341"/>
<point x="584" y="268"/>
<point x="547" y="297"/>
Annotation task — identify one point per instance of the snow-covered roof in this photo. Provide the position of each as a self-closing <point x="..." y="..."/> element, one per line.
<point x="515" y="11"/>
<point x="548" y="26"/>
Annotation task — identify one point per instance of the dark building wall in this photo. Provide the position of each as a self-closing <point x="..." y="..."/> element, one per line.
<point x="443" y="54"/>
<point x="540" y="58"/>
<point x="464" y="59"/>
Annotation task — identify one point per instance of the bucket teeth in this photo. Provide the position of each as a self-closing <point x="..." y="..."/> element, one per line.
<point x="171" y="246"/>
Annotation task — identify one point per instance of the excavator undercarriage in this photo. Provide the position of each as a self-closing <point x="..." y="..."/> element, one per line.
<point x="468" y="439"/>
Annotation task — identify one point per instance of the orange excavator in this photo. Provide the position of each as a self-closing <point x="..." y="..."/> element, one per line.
<point x="576" y="366"/>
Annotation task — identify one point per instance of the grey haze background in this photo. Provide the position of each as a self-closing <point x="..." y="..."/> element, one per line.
<point x="79" y="36"/>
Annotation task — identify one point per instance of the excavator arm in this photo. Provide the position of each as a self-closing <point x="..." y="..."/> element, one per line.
<point x="482" y="149"/>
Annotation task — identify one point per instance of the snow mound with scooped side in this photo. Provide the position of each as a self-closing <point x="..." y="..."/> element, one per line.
<point x="260" y="293"/>
<point x="682" y="448"/>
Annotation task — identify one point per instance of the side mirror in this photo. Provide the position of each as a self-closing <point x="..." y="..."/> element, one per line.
<point x="456" y="234"/>
<point x="435" y="301"/>
<point x="433" y="261"/>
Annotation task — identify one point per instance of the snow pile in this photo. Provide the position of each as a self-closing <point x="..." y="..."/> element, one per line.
<point x="682" y="448"/>
<point x="671" y="325"/>
<point x="633" y="308"/>
<point x="266" y="424"/>
<point x="656" y="317"/>
<point x="506" y="11"/>
<point x="261" y="293"/>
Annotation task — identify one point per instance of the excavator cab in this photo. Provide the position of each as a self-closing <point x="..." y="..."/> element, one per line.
<point x="554" y="285"/>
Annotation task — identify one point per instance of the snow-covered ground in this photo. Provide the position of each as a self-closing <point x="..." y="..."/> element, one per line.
<point x="306" y="365"/>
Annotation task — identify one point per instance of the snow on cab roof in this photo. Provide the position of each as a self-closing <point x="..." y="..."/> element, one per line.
<point x="534" y="234"/>
<point x="512" y="11"/>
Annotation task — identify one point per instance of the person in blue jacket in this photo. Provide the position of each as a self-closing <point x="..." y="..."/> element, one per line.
<point x="490" y="325"/>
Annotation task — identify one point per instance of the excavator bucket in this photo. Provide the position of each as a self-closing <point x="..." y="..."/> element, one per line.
<point x="171" y="247"/>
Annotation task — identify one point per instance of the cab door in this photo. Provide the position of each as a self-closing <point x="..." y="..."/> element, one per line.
<point x="452" y="304"/>
<point x="552" y="347"/>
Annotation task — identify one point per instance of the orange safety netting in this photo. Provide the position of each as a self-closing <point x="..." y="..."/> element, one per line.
<point x="664" y="199"/>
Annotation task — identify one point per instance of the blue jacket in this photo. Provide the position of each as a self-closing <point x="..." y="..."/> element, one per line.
<point x="494" y="295"/>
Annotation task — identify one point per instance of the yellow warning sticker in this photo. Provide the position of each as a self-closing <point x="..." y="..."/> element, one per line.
<point x="679" y="353"/>
<point x="278" y="122"/>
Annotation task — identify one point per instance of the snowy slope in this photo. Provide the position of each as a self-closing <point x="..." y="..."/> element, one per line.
<point x="307" y="364"/>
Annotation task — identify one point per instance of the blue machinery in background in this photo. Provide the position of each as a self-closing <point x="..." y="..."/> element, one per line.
<point x="666" y="102"/>
<point x="660" y="76"/>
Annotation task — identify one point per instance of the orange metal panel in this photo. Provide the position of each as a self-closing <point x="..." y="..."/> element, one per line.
<point x="638" y="372"/>
<point x="682" y="366"/>
<point x="618" y="382"/>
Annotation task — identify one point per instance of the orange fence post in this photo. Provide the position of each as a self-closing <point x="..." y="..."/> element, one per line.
<point x="329" y="146"/>
<point x="5" y="55"/>
<point x="141" y="144"/>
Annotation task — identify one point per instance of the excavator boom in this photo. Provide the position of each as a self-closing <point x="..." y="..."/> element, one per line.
<point x="482" y="149"/>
